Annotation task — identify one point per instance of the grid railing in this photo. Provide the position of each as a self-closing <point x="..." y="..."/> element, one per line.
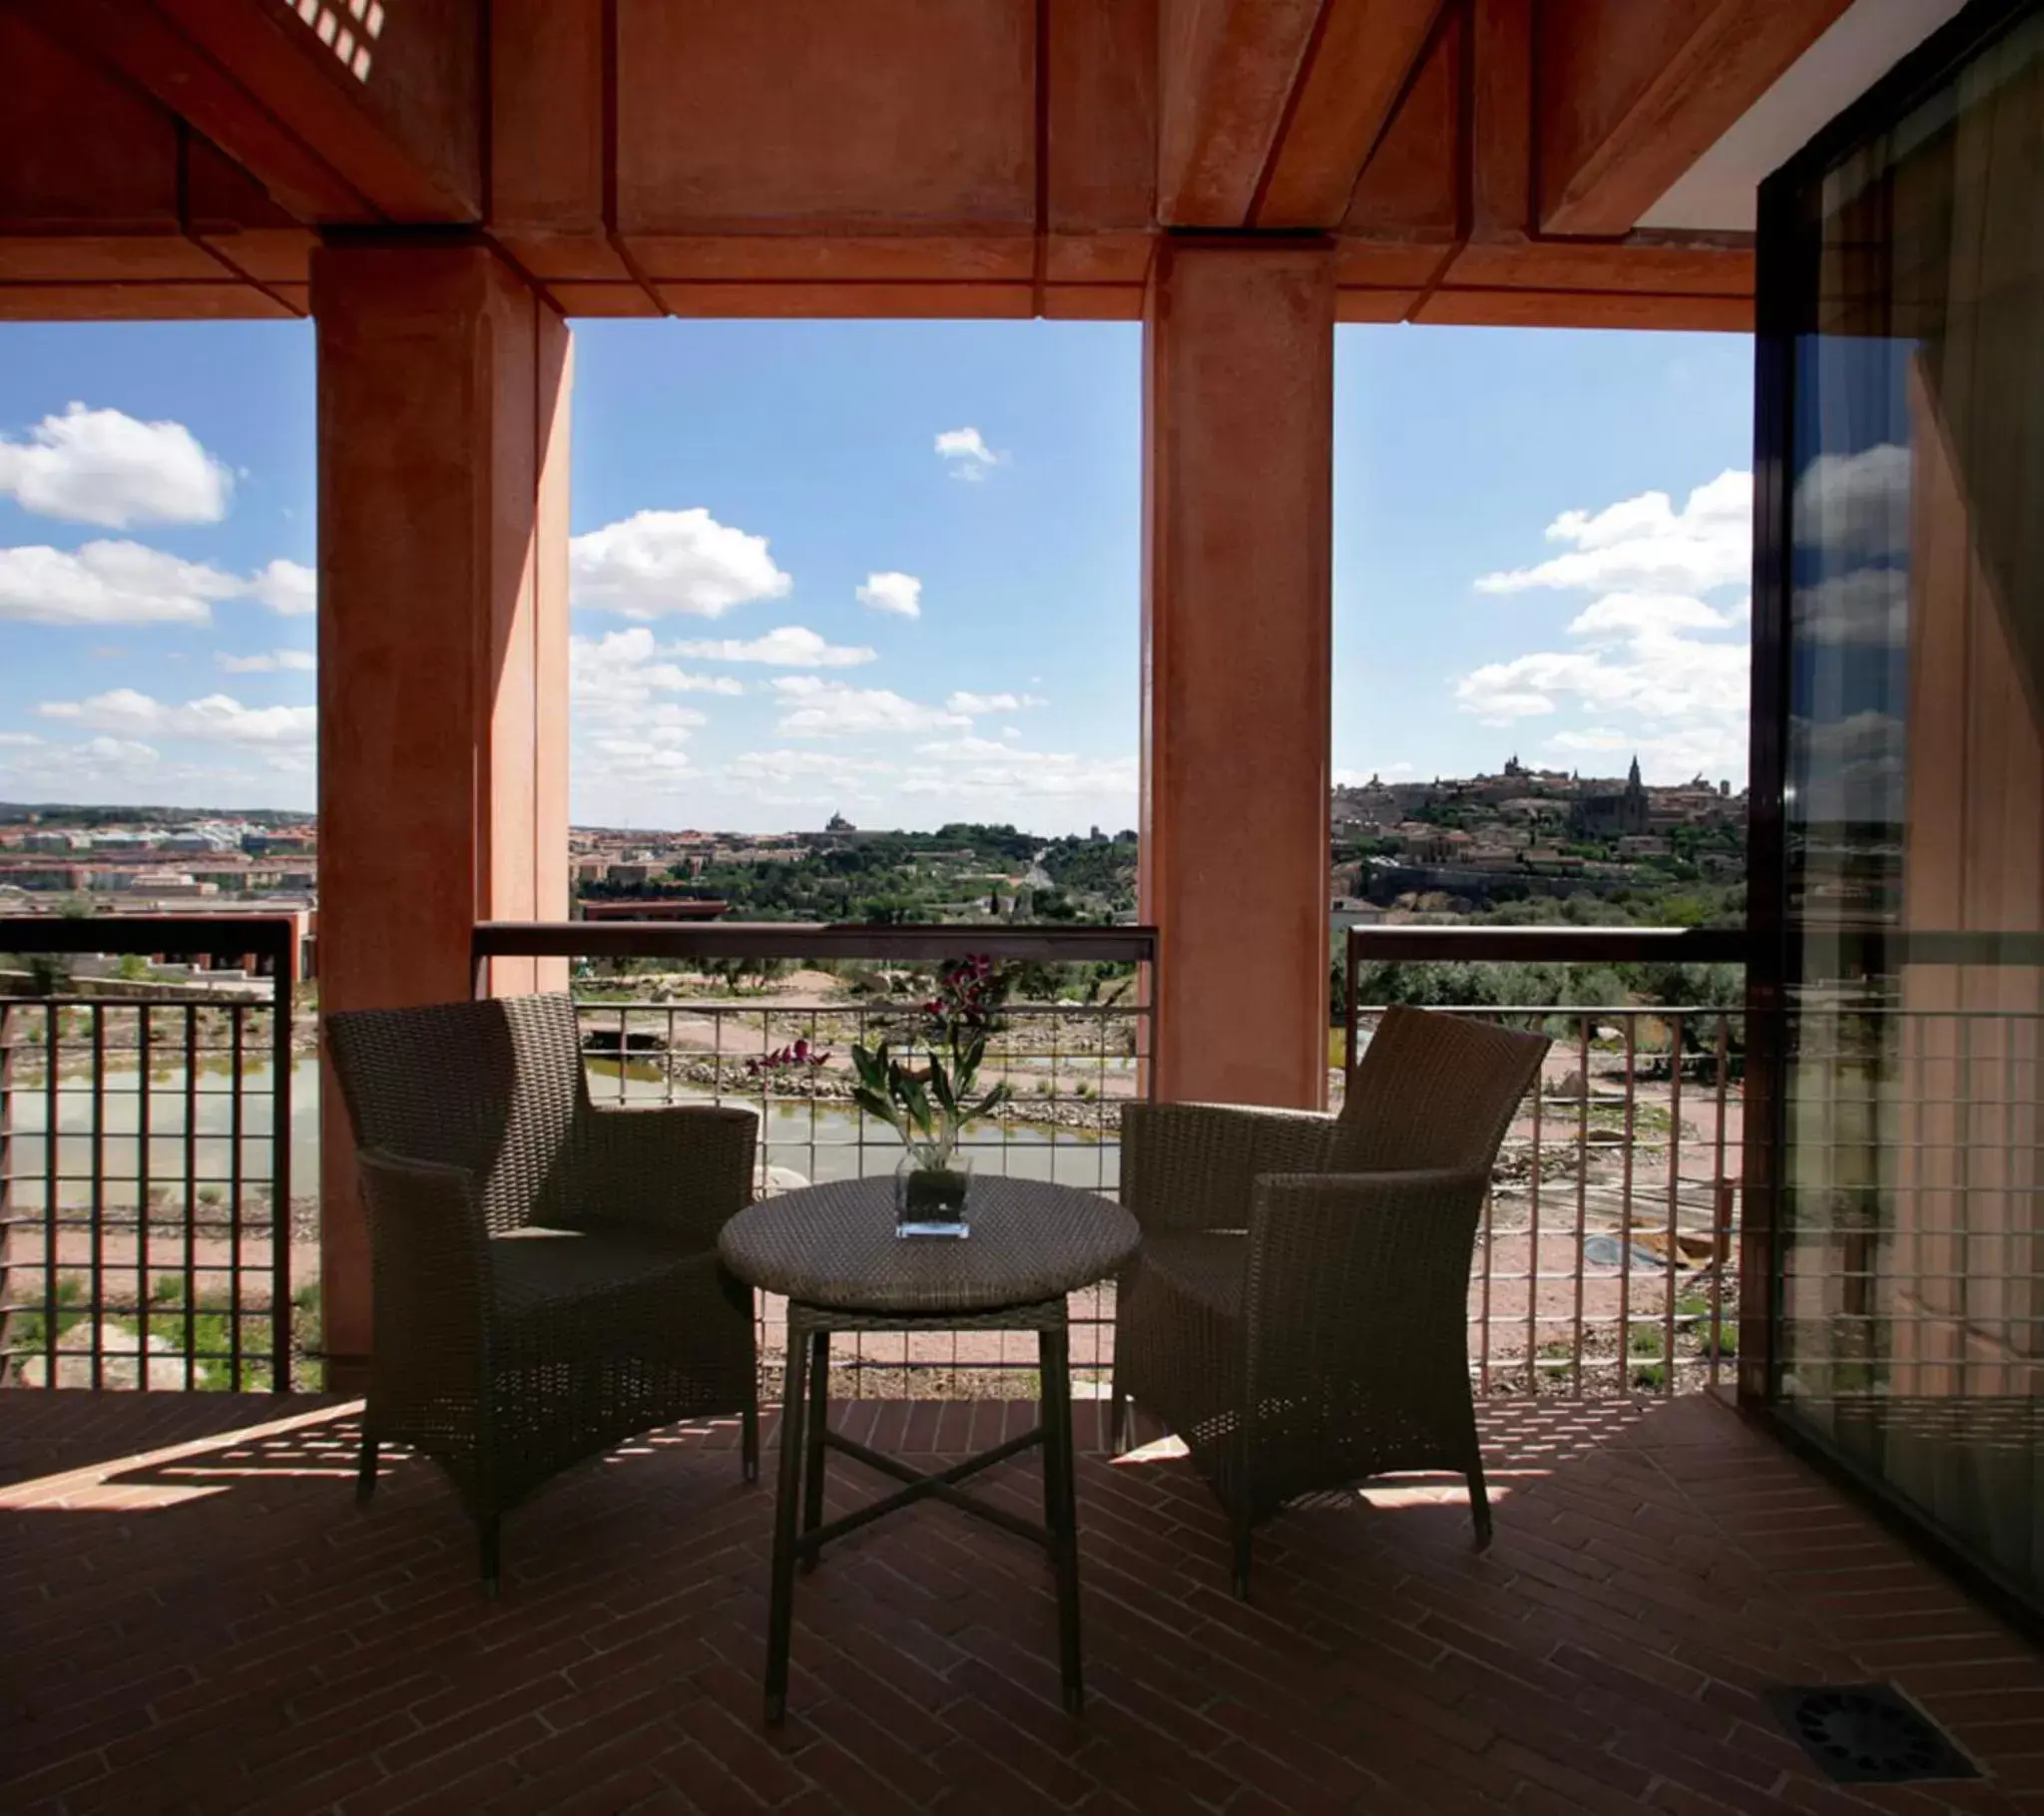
<point x="1072" y="1054"/>
<point x="1607" y="1252"/>
<point x="1911" y="1264"/>
<point x="145" y="1166"/>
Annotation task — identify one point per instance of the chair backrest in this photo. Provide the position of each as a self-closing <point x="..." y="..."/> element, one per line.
<point x="1434" y="1091"/>
<point x="493" y="1087"/>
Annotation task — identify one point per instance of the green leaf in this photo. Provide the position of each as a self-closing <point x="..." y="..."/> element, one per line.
<point x="871" y="1066"/>
<point x="874" y="1104"/>
<point x="917" y="1102"/>
<point x="989" y="1103"/>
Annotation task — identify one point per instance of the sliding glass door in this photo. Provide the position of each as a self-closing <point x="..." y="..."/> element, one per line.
<point x="1899" y="632"/>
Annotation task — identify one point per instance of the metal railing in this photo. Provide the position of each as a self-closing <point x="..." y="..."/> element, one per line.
<point x="1607" y="1253"/>
<point x="1072" y="1054"/>
<point x="1909" y="1265"/>
<point x="145" y="1163"/>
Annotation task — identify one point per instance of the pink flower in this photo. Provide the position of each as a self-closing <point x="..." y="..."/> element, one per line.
<point x="784" y="1058"/>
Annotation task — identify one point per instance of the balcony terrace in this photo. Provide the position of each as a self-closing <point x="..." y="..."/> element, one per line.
<point x="194" y="1616"/>
<point x="203" y="1618"/>
<point x="198" y="1619"/>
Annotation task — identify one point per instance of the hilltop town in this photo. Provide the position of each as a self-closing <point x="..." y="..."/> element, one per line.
<point x="1472" y="846"/>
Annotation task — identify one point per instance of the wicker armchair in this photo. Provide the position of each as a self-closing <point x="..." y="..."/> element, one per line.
<point x="545" y="1272"/>
<point x="1298" y="1314"/>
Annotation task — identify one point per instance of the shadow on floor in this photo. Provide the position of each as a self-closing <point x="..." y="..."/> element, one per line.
<point x="199" y="1619"/>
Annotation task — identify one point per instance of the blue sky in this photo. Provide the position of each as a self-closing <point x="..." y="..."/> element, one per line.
<point x="887" y="568"/>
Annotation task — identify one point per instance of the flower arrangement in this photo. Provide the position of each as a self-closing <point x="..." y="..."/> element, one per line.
<point x="930" y="1107"/>
<point x="798" y="1056"/>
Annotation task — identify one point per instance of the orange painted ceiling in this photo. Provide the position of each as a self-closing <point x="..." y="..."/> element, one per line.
<point x="1472" y="161"/>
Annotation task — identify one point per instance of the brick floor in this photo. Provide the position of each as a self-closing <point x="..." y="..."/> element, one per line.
<point x="194" y="1618"/>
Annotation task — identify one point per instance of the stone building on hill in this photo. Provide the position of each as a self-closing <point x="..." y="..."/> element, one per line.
<point x="1608" y="814"/>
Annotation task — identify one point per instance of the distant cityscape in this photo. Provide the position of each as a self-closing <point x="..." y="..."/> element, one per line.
<point x="1453" y="846"/>
<point x="1481" y="843"/>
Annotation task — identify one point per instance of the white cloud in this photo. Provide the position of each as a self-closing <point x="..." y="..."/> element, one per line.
<point x="116" y="751"/>
<point x="103" y="467"/>
<point x="1598" y="739"/>
<point x="217" y="718"/>
<point x="615" y="678"/>
<point x="1672" y="756"/>
<point x="1655" y="676"/>
<point x="778" y="768"/>
<point x="791" y="647"/>
<point x="651" y="749"/>
<point x="288" y="588"/>
<point x="634" y="773"/>
<point x="965" y="453"/>
<point x="968" y="745"/>
<point x="20" y="740"/>
<point x="814" y="707"/>
<point x="891" y="592"/>
<point x="640" y="751"/>
<point x="1867" y="606"/>
<point x="106" y="768"/>
<point x="1849" y="768"/>
<point x="108" y="583"/>
<point x="630" y="736"/>
<point x="1617" y="616"/>
<point x="659" y="562"/>
<point x="269" y="661"/>
<point x="962" y="701"/>
<point x="1659" y="669"/>
<point x="1856" y="505"/>
<point x="1031" y="775"/>
<point x="92" y="759"/>
<point x="1644" y="545"/>
<point x="1499" y="693"/>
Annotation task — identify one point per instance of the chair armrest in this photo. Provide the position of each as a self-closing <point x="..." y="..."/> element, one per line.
<point x="683" y="1169"/>
<point x="429" y="1267"/>
<point x="1361" y="1273"/>
<point x="1194" y="1165"/>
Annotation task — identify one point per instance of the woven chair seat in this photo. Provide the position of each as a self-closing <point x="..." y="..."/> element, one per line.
<point x="1298" y="1314"/>
<point x="1208" y="1268"/>
<point x="544" y="1269"/>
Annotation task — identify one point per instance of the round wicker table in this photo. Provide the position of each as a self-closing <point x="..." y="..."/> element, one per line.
<point x="831" y="1252"/>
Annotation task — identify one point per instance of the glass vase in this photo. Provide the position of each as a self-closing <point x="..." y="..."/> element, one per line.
<point x="931" y="1196"/>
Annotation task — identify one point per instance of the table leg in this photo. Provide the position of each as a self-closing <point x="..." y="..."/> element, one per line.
<point x="818" y="1428"/>
<point x="1061" y="1503"/>
<point x="781" y="1600"/>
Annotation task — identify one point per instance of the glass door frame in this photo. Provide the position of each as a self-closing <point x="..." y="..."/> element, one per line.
<point x="1788" y="250"/>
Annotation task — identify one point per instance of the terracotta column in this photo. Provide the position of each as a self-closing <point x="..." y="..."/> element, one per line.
<point x="1238" y="418"/>
<point x="444" y="653"/>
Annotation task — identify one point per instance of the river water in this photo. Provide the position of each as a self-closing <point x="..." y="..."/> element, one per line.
<point x="802" y="1141"/>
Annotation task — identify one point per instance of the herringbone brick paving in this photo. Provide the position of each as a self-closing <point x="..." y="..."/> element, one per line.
<point x="194" y="1618"/>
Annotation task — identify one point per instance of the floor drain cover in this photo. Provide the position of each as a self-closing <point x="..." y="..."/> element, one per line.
<point x="1868" y="1733"/>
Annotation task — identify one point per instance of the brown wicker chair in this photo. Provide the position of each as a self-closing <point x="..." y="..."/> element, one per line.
<point x="1298" y="1314"/>
<point x="545" y="1272"/>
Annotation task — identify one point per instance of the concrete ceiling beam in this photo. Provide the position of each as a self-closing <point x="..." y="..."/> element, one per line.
<point x="1226" y="69"/>
<point x="346" y="112"/>
<point x="1357" y="65"/>
<point x="1629" y="93"/>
